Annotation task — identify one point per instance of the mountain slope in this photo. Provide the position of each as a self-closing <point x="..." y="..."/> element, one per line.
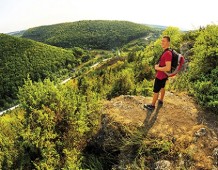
<point x="173" y="136"/>
<point x="16" y="33"/>
<point x="21" y="57"/>
<point x="98" y="34"/>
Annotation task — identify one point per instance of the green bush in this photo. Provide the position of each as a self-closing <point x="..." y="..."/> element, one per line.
<point x="57" y="123"/>
<point x="123" y="84"/>
<point x="204" y="68"/>
<point x="201" y="76"/>
<point x="10" y="127"/>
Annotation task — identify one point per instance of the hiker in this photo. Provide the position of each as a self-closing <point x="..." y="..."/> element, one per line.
<point x="163" y="66"/>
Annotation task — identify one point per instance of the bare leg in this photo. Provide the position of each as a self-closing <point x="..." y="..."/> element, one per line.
<point x="155" y="97"/>
<point x="162" y="93"/>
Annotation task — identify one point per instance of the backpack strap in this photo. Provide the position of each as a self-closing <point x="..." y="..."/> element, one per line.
<point x="167" y="49"/>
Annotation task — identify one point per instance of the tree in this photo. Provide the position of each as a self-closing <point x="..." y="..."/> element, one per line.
<point x="204" y="68"/>
<point x="58" y="120"/>
<point x="123" y="84"/>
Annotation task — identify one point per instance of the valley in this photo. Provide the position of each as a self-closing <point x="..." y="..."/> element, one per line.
<point x="81" y="87"/>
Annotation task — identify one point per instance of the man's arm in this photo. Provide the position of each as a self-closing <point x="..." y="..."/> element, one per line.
<point x="165" y="68"/>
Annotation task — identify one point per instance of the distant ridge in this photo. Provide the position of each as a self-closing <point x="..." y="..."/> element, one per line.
<point x="16" y="33"/>
<point x="94" y="34"/>
<point x="162" y="27"/>
<point x="156" y="26"/>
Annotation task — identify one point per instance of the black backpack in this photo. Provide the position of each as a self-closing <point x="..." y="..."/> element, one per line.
<point x="177" y="63"/>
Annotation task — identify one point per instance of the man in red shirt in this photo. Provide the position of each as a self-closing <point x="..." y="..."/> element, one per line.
<point x="161" y="77"/>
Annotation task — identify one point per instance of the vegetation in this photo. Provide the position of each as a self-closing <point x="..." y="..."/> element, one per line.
<point x="20" y="58"/>
<point x="55" y="123"/>
<point x="117" y="77"/>
<point x="200" y="50"/>
<point x="51" y="130"/>
<point x="97" y="34"/>
<point x="17" y="33"/>
<point x="201" y="77"/>
<point x="129" y="73"/>
<point x="10" y="127"/>
<point x="204" y="68"/>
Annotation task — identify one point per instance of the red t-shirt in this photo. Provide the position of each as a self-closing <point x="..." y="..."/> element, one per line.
<point x="166" y="56"/>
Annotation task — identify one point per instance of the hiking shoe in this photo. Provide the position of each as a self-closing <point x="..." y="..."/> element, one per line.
<point x="160" y="102"/>
<point x="149" y="106"/>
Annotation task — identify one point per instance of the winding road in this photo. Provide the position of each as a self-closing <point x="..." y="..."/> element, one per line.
<point x="63" y="82"/>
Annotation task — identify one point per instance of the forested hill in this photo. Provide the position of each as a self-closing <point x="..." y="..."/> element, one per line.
<point x="97" y="34"/>
<point x="20" y="57"/>
<point x="97" y="120"/>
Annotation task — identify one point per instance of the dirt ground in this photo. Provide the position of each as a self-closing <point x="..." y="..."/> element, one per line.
<point x="180" y="120"/>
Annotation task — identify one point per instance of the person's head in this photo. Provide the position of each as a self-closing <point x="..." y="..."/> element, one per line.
<point x="165" y="42"/>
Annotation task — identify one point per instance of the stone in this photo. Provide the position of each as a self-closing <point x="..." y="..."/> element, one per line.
<point x="201" y="132"/>
<point x="215" y="156"/>
<point x="214" y="168"/>
<point x="163" y="165"/>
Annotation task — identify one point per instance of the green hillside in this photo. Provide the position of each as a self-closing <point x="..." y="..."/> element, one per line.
<point x="21" y="57"/>
<point x="97" y="120"/>
<point x="89" y="34"/>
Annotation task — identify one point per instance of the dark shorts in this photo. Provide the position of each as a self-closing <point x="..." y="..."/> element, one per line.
<point x="158" y="84"/>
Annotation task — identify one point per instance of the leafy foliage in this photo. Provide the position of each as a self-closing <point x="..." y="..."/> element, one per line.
<point x="117" y="77"/>
<point x="20" y="58"/>
<point x="10" y="126"/>
<point x="204" y="68"/>
<point x="201" y="76"/>
<point x="123" y="84"/>
<point x="57" y="123"/>
<point x="98" y="34"/>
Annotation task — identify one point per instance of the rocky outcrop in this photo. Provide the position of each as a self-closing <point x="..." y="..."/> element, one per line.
<point x="169" y="137"/>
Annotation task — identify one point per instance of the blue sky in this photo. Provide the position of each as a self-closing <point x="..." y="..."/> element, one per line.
<point x="186" y="14"/>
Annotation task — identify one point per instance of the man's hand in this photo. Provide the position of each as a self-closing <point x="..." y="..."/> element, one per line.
<point x="165" y="68"/>
<point x="156" y="67"/>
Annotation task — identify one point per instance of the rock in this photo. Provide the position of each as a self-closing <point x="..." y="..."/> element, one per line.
<point x="181" y="161"/>
<point x="162" y="165"/>
<point x="128" y="97"/>
<point x="214" y="168"/>
<point x="201" y="132"/>
<point x="215" y="156"/>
